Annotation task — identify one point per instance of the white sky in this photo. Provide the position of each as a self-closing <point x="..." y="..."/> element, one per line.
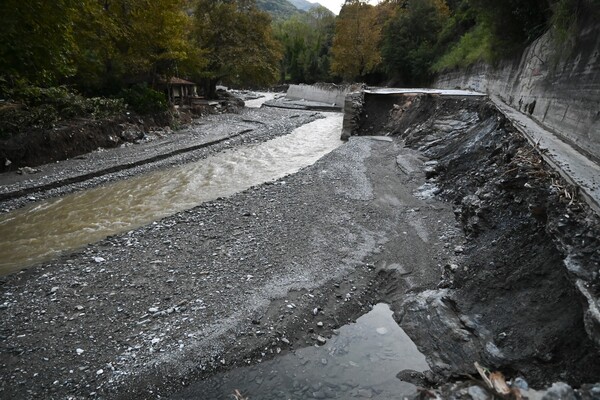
<point x="336" y="5"/>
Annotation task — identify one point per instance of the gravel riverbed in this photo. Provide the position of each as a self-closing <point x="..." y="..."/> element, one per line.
<point x="230" y="282"/>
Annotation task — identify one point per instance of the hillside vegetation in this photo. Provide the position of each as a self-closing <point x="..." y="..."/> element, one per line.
<point x="54" y="56"/>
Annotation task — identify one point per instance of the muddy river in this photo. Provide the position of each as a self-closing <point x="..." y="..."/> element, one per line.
<point x="42" y="230"/>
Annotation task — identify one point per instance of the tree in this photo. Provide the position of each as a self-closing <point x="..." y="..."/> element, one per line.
<point x="356" y="43"/>
<point x="409" y="40"/>
<point x="238" y="42"/>
<point x="306" y="40"/>
<point x="132" y="40"/>
<point x="37" y="40"/>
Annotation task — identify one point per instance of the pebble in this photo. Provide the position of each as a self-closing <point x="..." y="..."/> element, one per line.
<point x="79" y="351"/>
<point x="321" y="340"/>
<point x="99" y="259"/>
<point x="153" y="309"/>
<point x="100" y="372"/>
<point x="320" y="324"/>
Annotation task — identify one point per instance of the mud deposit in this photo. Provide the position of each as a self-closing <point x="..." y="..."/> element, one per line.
<point x="520" y="298"/>
<point x="482" y="252"/>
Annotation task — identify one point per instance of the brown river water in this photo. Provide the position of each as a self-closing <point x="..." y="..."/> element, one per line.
<point x="42" y="230"/>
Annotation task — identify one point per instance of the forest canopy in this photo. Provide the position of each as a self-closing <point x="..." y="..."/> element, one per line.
<point x="103" y="47"/>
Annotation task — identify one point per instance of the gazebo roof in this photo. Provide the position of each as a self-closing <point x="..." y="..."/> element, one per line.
<point x="178" y="81"/>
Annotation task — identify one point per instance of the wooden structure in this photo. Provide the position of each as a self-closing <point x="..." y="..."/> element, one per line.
<point x="179" y="91"/>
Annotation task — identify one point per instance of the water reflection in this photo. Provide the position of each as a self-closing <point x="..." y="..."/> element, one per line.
<point x="359" y="363"/>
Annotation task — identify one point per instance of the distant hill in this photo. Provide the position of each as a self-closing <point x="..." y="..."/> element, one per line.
<point x="279" y="9"/>
<point x="303" y="4"/>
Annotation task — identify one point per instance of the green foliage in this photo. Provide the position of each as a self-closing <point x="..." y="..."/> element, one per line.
<point x="97" y="45"/>
<point x="409" y="38"/>
<point x="279" y="9"/>
<point x="36" y="107"/>
<point x="306" y="40"/>
<point x="513" y="23"/>
<point x="144" y="100"/>
<point x="37" y="40"/>
<point x="238" y="41"/>
<point x="564" y="19"/>
<point x="473" y="46"/>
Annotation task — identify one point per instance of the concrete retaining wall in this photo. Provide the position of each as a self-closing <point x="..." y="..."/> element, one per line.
<point x="560" y="91"/>
<point x="323" y="93"/>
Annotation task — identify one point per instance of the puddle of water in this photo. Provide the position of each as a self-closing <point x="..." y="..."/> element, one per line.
<point x="360" y="362"/>
<point x="41" y="231"/>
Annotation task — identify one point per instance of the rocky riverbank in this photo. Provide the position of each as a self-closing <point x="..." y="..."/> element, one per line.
<point x="454" y="222"/>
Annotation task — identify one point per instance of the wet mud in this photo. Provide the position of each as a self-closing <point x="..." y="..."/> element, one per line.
<point x="513" y="301"/>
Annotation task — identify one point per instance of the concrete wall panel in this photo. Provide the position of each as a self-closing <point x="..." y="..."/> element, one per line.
<point x="559" y="88"/>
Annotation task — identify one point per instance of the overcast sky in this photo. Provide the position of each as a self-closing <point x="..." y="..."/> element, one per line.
<point x="335" y="5"/>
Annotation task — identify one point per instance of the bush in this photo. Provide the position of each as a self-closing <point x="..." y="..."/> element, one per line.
<point x="472" y="47"/>
<point x="36" y="107"/>
<point x="144" y="100"/>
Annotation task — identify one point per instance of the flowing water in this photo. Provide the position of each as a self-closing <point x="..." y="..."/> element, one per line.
<point x="361" y="362"/>
<point x="42" y="230"/>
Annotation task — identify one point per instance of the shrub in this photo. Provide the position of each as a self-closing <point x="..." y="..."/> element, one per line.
<point x="144" y="100"/>
<point x="36" y="107"/>
<point x="472" y="47"/>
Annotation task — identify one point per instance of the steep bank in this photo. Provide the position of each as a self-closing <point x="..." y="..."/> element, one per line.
<point x="524" y="296"/>
<point x="557" y="84"/>
<point x="38" y="144"/>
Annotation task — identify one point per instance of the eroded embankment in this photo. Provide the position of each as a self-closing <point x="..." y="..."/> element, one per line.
<point x="522" y="299"/>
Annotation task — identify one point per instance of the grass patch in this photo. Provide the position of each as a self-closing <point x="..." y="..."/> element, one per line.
<point x="475" y="45"/>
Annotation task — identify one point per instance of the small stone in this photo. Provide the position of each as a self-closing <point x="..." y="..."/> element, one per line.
<point x="153" y="309"/>
<point x="320" y="324"/>
<point x="459" y="249"/>
<point x="100" y="372"/>
<point x="321" y="340"/>
<point x="155" y="340"/>
<point x="315" y="311"/>
<point x="79" y="308"/>
<point x="521" y="383"/>
<point x="99" y="259"/>
<point x="284" y="340"/>
<point x="54" y="289"/>
<point x="79" y="351"/>
<point x="477" y="393"/>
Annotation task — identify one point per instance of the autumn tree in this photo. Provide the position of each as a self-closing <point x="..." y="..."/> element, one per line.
<point x="356" y="43"/>
<point x="238" y="41"/>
